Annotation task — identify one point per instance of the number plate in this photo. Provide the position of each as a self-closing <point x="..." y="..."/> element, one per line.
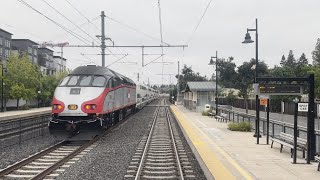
<point x="73" y="107"/>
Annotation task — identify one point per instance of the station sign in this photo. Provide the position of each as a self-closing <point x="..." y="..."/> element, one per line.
<point x="280" y="89"/>
<point x="303" y="107"/>
<point x="264" y="102"/>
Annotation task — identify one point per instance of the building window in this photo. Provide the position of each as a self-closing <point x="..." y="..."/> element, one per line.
<point x="6" y="53"/>
<point x="7" y="43"/>
<point x="1" y="51"/>
<point x="35" y="51"/>
<point x="1" y="41"/>
<point x="29" y="50"/>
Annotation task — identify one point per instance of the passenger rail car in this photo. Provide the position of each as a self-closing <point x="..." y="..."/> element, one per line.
<point x="92" y="95"/>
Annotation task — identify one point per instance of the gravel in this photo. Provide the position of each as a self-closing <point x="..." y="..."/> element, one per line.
<point x="192" y="159"/>
<point x="111" y="158"/>
<point x="15" y="153"/>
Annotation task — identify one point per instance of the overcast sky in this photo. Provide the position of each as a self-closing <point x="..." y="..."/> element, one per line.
<point x="283" y="25"/>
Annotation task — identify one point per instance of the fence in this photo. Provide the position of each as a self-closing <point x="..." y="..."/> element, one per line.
<point x="19" y="130"/>
<point x="275" y="126"/>
<point x="240" y="103"/>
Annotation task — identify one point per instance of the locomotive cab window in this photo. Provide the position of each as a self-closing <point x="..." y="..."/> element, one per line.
<point x="99" y="81"/>
<point x="64" y="81"/>
<point x="85" y="81"/>
<point x="73" y="80"/>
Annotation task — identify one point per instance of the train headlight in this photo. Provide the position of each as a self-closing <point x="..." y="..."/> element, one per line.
<point x="90" y="107"/>
<point x="87" y="107"/>
<point x="57" y="106"/>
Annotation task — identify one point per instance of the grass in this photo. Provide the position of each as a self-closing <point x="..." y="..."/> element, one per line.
<point x="204" y="113"/>
<point x="242" y="126"/>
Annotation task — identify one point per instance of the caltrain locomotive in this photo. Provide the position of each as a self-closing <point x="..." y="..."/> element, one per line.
<point x="97" y="97"/>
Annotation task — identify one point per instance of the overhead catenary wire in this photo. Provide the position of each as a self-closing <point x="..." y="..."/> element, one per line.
<point x="134" y="29"/>
<point x="82" y="15"/>
<point x="80" y="38"/>
<point x="199" y="22"/>
<point x="69" y="20"/>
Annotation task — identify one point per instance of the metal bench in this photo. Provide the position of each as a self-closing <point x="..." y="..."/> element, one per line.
<point x="212" y="113"/>
<point x="317" y="158"/>
<point x="287" y="140"/>
<point x="222" y="117"/>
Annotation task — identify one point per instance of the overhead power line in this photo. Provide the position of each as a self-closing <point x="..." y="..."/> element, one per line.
<point x="82" y="15"/>
<point x="80" y="38"/>
<point x="199" y="22"/>
<point x="69" y="20"/>
<point x="135" y="29"/>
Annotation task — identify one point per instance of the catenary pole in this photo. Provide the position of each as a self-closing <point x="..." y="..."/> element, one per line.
<point x="103" y="38"/>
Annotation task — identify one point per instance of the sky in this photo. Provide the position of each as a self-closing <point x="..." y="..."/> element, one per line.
<point x="282" y="26"/>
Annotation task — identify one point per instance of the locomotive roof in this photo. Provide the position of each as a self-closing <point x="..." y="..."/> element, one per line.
<point x="98" y="70"/>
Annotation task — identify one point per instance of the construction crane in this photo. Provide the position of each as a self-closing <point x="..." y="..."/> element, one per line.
<point x="50" y="44"/>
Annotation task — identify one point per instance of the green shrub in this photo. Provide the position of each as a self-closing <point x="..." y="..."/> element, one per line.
<point x="243" y="126"/>
<point x="204" y="113"/>
<point x="24" y="107"/>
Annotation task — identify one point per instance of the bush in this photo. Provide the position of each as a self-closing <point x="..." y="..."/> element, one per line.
<point x="243" y="126"/>
<point x="204" y="113"/>
<point x="24" y="107"/>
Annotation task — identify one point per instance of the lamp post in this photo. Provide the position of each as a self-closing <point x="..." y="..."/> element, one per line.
<point x="212" y="63"/>
<point x="247" y="40"/>
<point x="2" y="88"/>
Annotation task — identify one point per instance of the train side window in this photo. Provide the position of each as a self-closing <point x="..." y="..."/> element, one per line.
<point x="85" y="81"/>
<point x="109" y="83"/>
<point x="99" y="81"/>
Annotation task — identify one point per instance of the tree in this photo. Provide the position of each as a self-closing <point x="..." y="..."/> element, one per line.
<point x="245" y="78"/>
<point x="21" y="79"/>
<point x="303" y="60"/>
<point x="48" y="85"/>
<point x="187" y="74"/>
<point x="227" y="72"/>
<point x="283" y="60"/>
<point x="231" y="98"/>
<point x="316" y="53"/>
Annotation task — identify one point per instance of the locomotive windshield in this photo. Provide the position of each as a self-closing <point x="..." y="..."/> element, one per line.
<point x="84" y="80"/>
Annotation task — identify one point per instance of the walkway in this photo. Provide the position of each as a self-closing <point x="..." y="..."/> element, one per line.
<point x="234" y="155"/>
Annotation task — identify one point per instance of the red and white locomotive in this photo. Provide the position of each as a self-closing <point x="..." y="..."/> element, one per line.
<point x="92" y="95"/>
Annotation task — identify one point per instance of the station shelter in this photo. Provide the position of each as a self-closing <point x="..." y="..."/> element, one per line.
<point x="198" y="94"/>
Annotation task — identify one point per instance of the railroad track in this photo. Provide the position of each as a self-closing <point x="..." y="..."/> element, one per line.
<point x="51" y="162"/>
<point x="160" y="154"/>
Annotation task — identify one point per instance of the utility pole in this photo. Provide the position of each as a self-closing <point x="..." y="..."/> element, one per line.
<point x="138" y="77"/>
<point x="178" y="86"/>
<point x="103" y="38"/>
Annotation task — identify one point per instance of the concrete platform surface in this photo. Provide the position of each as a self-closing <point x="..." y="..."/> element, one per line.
<point x="235" y="155"/>
<point x="8" y="115"/>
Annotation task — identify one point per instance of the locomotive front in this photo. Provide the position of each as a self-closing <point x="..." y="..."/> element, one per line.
<point x="79" y="98"/>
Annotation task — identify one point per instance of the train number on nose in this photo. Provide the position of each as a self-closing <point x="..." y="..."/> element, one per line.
<point x="73" y="107"/>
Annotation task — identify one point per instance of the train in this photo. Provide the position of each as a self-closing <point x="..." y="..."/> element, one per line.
<point x="97" y="97"/>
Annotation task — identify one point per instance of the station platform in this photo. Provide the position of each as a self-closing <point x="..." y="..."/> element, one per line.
<point x="8" y="115"/>
<point x="225" y="154"/>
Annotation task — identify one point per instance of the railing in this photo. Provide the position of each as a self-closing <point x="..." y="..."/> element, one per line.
<point x="275" y="126"/>
<point x="22" y="129"/>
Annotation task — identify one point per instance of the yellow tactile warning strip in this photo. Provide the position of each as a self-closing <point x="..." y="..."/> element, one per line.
<point x="215" y="166"/>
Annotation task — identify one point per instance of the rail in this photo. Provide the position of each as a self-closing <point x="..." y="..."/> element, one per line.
<point x="18" y="130"/>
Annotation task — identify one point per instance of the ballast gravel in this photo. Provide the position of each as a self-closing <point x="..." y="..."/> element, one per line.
<point x="111" y="158"/>
<point x="15" y="153"/>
